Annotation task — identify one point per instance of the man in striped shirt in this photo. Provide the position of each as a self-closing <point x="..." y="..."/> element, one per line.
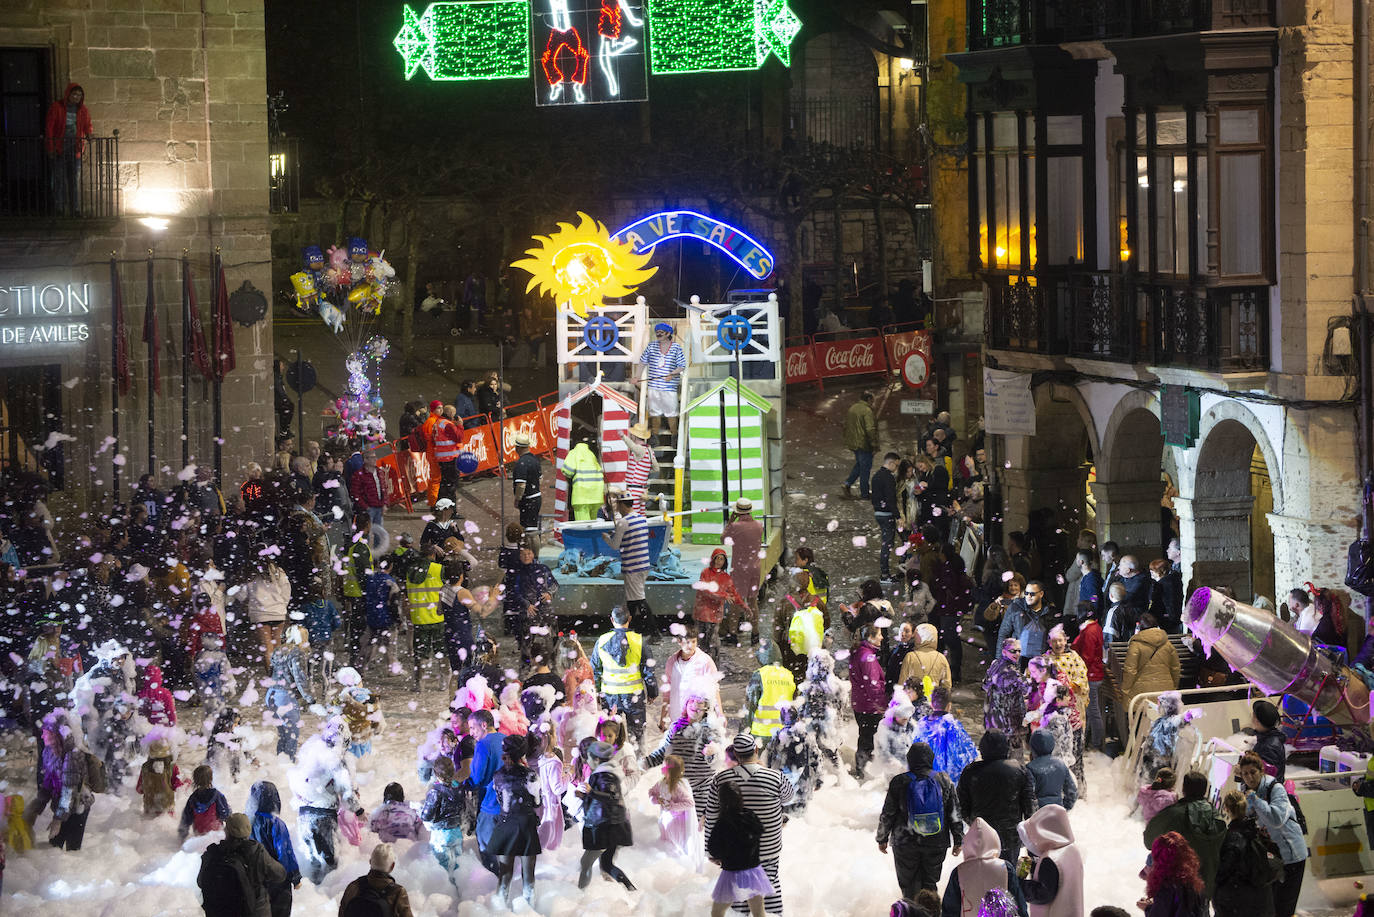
<point x="664" y="362"/>
<point x="631" y="538"/>
<point x="765" y="792"/>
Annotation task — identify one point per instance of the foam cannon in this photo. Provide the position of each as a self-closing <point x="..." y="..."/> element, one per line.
<point x="1276" y="657"/>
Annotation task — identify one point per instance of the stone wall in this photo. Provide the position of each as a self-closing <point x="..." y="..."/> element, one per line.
<point x="184" y="83"/>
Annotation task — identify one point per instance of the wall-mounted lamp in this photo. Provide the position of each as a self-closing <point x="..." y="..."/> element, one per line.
<point x="156" y="224"/>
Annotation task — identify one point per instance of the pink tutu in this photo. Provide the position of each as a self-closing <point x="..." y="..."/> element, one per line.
<point x="741" y="885"/>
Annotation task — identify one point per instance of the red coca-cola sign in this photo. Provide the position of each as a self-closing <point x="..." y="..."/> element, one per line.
<point x="850" y="358"/>
<point x="801" y="365"/>
<point x="904" y="343"/>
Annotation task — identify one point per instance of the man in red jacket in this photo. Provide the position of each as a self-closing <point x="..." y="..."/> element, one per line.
<point x="365" y="487"/>
<point x="1088" y="644"/>
<point x="64" y="138"/>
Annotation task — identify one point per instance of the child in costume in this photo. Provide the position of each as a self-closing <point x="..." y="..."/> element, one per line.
<point x="943" y="732"/>
<point x="677" y="820"/>
<point x="359" y="707"/>
<point x="159" y="780"/>
<point x="796" y="753"/>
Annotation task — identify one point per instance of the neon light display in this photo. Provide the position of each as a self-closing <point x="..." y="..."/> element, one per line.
<point x="487" y="40"/>
<point x="697" y="36"/>
<point x="589" y="51"/>
<point x="644" y="234"/>
<point x="581" y="266"/>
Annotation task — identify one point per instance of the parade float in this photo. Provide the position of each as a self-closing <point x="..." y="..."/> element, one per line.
<point x="731" y="403"/>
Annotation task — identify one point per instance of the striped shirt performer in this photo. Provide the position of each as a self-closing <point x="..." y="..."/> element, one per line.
<point x="765" y="792"/>
<point x="664" y="363"/>
<point x="631" y="539"/>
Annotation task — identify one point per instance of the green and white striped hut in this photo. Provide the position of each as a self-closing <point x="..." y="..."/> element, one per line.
<point x="727" y="456"/>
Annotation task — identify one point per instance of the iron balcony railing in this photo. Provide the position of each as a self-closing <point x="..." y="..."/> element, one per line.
<point x="1008" y="23"/>
<point x="1104" y="316"/>
<point x="34" y="184"/>
<point x="843" y="123"/>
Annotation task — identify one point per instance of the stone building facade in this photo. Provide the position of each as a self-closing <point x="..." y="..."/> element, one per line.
<point x="1160" y="203"/>
<point x="184" y="85"/>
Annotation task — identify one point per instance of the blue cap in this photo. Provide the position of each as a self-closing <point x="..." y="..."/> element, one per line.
<point x="664" y="326"/>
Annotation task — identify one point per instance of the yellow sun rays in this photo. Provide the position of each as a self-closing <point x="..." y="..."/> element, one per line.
<point x="581" y="266"/>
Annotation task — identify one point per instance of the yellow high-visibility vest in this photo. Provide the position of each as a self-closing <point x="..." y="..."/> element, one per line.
<point x="424" y="597"/>
<point x="617" y="678"/>
<point x="588" y="483"/>
<point x="778" y="686"/>
<point x="807" y="630"/>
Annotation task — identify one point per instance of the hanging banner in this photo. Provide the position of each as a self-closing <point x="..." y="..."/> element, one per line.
<point x="850" y="358"/>
<point x="1008" y="405"/>
<point x="535" y="425"/>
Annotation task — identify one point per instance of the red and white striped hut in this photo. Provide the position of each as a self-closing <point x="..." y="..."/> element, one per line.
<point x="616" y="411"/>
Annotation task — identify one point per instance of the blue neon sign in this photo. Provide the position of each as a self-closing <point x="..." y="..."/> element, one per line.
<point x="644" y="234"/>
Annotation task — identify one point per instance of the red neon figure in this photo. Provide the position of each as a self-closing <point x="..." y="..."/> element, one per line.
<point x="611" y="20"/>
<point x="559" y="42"/>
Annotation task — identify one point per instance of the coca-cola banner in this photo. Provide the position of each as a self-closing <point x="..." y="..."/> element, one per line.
<point x="535" y="425"/>
<point x="801" y="364"/>
<point x="904" y="342"/>
<point x="849" y="358"/>
<point x="481" y="442"/>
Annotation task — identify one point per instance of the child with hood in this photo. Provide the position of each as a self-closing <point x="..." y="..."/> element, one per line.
<point x="440" y="743"/>
<point x="1162" y="744"/>
<point x="214" y="675"/>
<point x="1053" y="885"/>
<point x="442" y="813"/>
<point x="605" y="820"/>
<point x="943" y="732"/>
<point x="820" y="699"/>
<point x="264" y="808"/>
<point x="1054" y="782"/>
<point x="795" y="753"/>
<point x="713" y="589"/>
<point x="394" y="819"/>
<point x="920" y="820"/>
<point x="159" y="780"/>
<point x="206" y="808"/>
<point x="358" y="705"/>
<point x="895" y="734"/>
<point x="155" y="702"/>
<point x="1157" y="795"/>
<point x="981" y="871"/>
<point x="288" y="688"/>
<point x="554" y="782"/>
<point x="224" y="746"/>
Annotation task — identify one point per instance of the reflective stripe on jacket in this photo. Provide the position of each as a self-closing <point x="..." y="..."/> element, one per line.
<point x="778" y="686"/>
<point x="616" y="678"/>
<point x="424" y="596"/>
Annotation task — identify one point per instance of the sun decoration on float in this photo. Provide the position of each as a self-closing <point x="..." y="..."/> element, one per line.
<point x="581" y="266"/>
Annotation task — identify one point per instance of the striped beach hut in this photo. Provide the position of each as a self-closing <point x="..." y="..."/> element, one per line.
<point x="727" y="456"/>
<point x="616" y="411"/>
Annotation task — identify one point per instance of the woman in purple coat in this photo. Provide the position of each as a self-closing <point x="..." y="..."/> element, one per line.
<point x="868" y="692"/>
<point x="1005" y="689"/>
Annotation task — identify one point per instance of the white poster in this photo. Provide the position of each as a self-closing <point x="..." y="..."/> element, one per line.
<point x="1008" y="406"/>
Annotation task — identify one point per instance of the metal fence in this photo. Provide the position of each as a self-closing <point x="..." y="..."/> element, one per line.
<point x="34" y="183"/>
<point x="844" y="123"/>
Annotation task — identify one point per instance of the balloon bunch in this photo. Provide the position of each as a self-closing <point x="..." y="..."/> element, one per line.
<point x="360" y="411"/>
<point x="353" y="277"/>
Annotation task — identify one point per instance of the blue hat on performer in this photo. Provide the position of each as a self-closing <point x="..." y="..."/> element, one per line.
<point x="663" y="327"/>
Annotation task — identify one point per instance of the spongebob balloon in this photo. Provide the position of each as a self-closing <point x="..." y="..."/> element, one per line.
<point x="307" y="296"/>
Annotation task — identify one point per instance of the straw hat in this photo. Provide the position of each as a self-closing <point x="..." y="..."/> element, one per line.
<point x="744" y="505"/>
<point x="522" y="439"/>
<point x="639" y="431"/>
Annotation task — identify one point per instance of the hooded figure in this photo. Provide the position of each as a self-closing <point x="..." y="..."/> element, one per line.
<point x="796" y="754"/>
<point x="982" y="870"/>
<point x="997" y="790"/>
<point x="264" y="808"/>
<point x="1161" y="745"/>
<point x="821" y="698"/>
<point x="214" y="677"/>
<point x="155" y="702"/>
<point x="920" y="820"/>
<point x="1054" y="782"/>
<point x="926" y="660"/>
<point x="105" y="700"/>
<point x="895" y="734"/>
<point x="159" y="780"/>
<point x="1054" y="887"/>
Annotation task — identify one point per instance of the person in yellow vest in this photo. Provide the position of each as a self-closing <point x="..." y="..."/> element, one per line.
<point x="1364" y="786"/>
<point x="624" y="673"/>
<point x="586" y="484"/>
<point x="770" y="686"/>
<point x="807" y="630"/>
<point x="424" y="581"/>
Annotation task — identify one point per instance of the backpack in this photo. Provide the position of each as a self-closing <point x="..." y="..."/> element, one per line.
<point x="370" y="902"/>
<point x="925" y="806"/>
<point x="204" y="820"/>
<point x="224" y="880"/>
<point x="95" y="774"/>
<point x="1297" y="813"/>
<point x="1266" y="866"/>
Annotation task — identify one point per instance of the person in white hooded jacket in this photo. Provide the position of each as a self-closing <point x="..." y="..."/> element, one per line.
<point x="1054" y="885"/>
<point x="982" y="870"/>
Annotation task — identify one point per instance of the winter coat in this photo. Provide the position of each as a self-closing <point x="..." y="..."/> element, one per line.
<point x="794" y="752"/>
<point x="996" y="789"/>
<point x="55" y="126"/>
<point x="1200" y="826"/>
<point x="1152" y="801"/>
<point x="267" y="596"/>
<point x="553" y="785"/>
<point x="1088" y="646"/>
<point x="713" y="590"/>
<point x="158" y="782"/>
<point x="264" y="802"/>
<point x="1166" y="601"/>
<point x="982" y="870"/>
<point x="395" y="821"/>
<point x="1271" y="807"/>
<point x="1151" y="665"/>
<point x="894" y="823"/>
<point x="868" y="686"/>
<point x="382" y="882"/>
<point x="517" y="787"/>
<point x="925" y="660"/>
<point x="734" y="840"/>
<point x="443" y="806"/>
<point x="1030" y="627"/>
<point x="893" y="739"/>
<point x="365" y="489"/>
<point x="1175" y="901"/>
<point x="861" y="428"/>
<point x="263" y="872"/>
<point x="1054" y="887"/>
<point x="1237" y="893"/>
<point x="75" y="798"/>
<point x="1054" y="783"/>
<point x="604" y="803"/>
<point x="892" y="665"/>
<point x="200" y="803"/>
<point x="156" y="703"/>
<point x="1269" y="745"/>
<point x="1072" y="578"/>
<point x="1005" y="690"/>
<point x="883" y="492"/>
<point x="288" y="680"/>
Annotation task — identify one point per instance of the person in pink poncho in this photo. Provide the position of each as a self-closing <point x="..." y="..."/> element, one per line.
<point x="690" y="672"/>
<point x="1054" y="884"/>
<point x="677" y="820"/>
<point x="982" y="870"/>
<point x="555" y="779"/>
<point x="510" y="716"/>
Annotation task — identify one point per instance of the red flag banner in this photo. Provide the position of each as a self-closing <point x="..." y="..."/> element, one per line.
<point x="151" y="336"/>
<point x="223" y="327"/>
<point x="195" y="338"/>
<point x="123" y="378"/>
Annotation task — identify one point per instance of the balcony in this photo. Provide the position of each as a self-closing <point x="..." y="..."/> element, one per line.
<point x="836" y="123"/>
<point x="1010" y="23"/>
<point x="1104" y="316"/>
<point x="30" y="180"/>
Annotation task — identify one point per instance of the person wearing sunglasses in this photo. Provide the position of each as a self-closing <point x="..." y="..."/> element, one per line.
<point x="1028" y="618"/>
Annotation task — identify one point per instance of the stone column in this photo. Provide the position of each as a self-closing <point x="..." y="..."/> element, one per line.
<point x="1216" y="542"/>
<point x="1128" y="513"/>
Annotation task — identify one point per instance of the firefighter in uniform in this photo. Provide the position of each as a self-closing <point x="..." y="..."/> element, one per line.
<point x="624" y="672"/>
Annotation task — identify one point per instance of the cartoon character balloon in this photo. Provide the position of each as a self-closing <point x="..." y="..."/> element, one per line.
<point x="307" y="296"/>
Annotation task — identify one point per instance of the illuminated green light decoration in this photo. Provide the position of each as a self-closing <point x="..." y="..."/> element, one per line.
<point x="700" y="36"/>
<point x="486" y="40"/>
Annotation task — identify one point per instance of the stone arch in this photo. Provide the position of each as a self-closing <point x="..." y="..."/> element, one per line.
<point x="1128" y="487"/>
<point x="1231" y="543"/>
